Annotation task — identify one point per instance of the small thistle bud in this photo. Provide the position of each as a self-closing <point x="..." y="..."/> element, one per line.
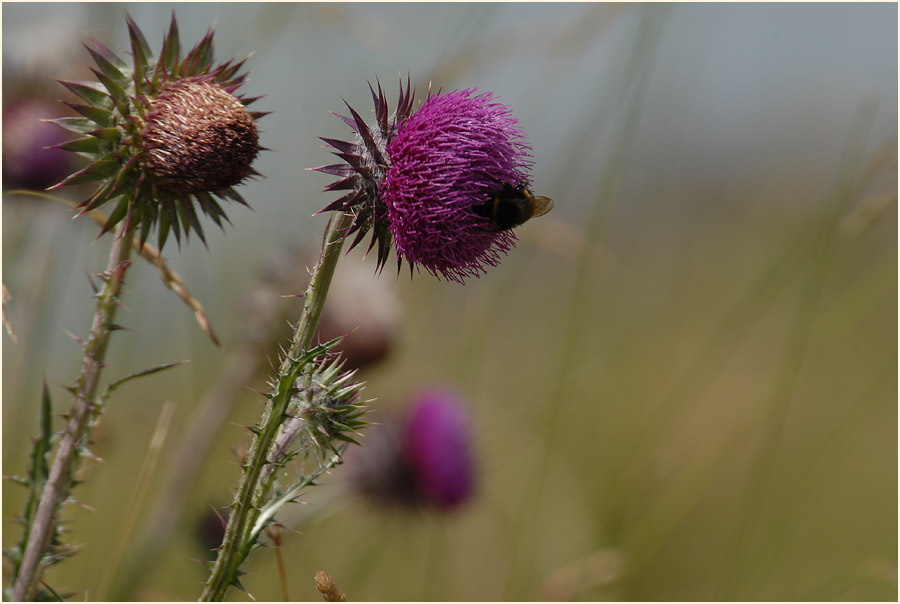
<point x="324" y="411"/>
<point x="444" y="184"/>
<point x="166" y="136"/>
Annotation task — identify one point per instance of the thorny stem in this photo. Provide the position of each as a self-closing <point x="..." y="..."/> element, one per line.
<point x="83" y="412"/>
<point x="236" y="543"/>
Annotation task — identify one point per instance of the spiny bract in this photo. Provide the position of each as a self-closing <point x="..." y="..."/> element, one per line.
<point x="165" y="136"/>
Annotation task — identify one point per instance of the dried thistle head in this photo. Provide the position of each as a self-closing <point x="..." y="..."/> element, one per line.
<point x="198" y="137"/>
<point x="166" y="136"/>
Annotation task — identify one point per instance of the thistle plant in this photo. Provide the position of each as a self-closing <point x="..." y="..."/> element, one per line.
<point x="428" y="182"/>
<point x="165" y="137"/>
<point x="312" y="413"/>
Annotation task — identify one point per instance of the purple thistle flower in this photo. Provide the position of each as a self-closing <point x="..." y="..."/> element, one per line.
<point x="445" y="184"/>
<point x="422" y="460"/>
<point x="437" y="440"/>
<point x="27" y="162"/>
<point x="450" y="157"/>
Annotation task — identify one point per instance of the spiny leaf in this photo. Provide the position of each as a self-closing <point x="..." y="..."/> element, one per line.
<point x="106" y="65"/>
<point x="102" y="117"/>
<point x="228" y="70"/>
<point x="100" y="196"/>
<point x="163" y="229"/>
<point x="52" y="592"/>
<point x="335" y="169"/>
<point x="210" y="207"/>
<point x="40" y="468"/>
<point x="172" y="222"/>
<point x="342" y="146"/>
<point x="110" y="135"/>
<point x="115" y="217"/>
<point x="171" y="49"/>
<point x="200" y="57"/>
<point x="144" y="372"/>
<point x="148" y="218"/>
<point x="81" y="145"/>
<point x="102" y="168"/>
<point x="252" y="99"/>
<point x="140" y="50"/>
<point x="89" y="91"/>
<point x="233" y="195"/>
<point x="180" y="205"/>
<point x="78" y="125"/>
<point x="194" y="221"/>
<point x="108" y="55"/>
<point x="116" y="91"/>
<point x="366" y="135"/>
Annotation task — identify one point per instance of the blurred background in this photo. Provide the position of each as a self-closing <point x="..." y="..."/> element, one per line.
<point x="681" y="384"/>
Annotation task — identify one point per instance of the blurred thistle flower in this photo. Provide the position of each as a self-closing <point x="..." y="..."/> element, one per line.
<point x="364" y="311"/>
<point x="165" y="136"/>
<point x="423" y="460"/>
<point x="27" y="163"/>
<point x="430" y="181"/>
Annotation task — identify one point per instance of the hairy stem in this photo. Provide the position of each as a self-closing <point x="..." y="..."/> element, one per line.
<point x="84" y="411"/>
<point x="245" y="508"/>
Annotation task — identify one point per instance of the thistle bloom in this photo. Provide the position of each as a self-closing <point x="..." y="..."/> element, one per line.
<point x="27" y="163"/>
<point x="422" y="180"/>
<point x="165" y="136"/>
<point x="437" y="446"/>
<point x="422" y="459"/>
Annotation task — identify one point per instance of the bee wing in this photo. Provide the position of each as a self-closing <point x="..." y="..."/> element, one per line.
<point x="542" y="205"/>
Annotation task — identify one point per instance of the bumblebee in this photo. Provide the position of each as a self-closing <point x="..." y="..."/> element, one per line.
<point x="511" y="206"/>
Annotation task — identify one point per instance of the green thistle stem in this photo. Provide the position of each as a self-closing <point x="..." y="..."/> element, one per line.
<point x="245" y="510"/>
<point x="83" y="413"/>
